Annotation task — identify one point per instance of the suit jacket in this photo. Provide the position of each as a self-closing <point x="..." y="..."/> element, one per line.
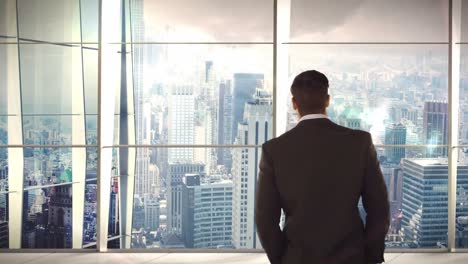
<point x="316" y="173"/>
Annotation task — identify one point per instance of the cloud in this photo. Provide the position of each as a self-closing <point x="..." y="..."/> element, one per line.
<point x="210" y="20"/>
<point x="317" y="20"/>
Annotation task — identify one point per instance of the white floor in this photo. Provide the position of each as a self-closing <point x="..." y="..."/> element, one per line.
<point x="201" y="258"/>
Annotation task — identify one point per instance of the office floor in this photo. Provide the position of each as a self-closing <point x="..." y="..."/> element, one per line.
<point x="201" y="258"/>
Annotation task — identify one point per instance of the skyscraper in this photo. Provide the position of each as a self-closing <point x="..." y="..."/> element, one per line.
<point x="207" y="213"/>
<point x="3" y="234"/>
<point x="395" y="134"/>
<point x="244" y="88"/>
<point x="435" y="127"/>
<point x="181" y="123"/>
<point x="425" y="211"/>
<point x="174" y="192"/>
<point x="152" y="213"/>
<point x="224" y="123"/>
<point x="255" y="129"/>
<point x="60" y="218"/>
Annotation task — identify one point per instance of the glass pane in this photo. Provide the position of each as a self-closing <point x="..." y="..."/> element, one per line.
<point x="90" y="203"/>
<point x="464" y="22"/>
<point x="49" y="73"/>
<point x="417" y="190"/>
<point x="89" y="20"/>
<point x="45" y="166"/>
<point x="114" y="207"/>
<point x="7" y="20"/>
<point x="463" y="126"/>
<point x="8" y="75"/>
<point x="202" y="21"/>
<point x="183" y="98"/>
<point x="3" y="80"/>
<point x="410" y="82"/>
<point x="90" y="213"/>
<point x="47" y="218"/>
<point x="3" y="130"/>
<point x="3" y="198"/>
<point x="461" y="235"/>
<point x="49" y="20"/>
<point x="190" y="204"/>
<point x="91" y="129"/>
<point x="47" y="130"/>
<point x="4" y="238"/>
<point x="369" y="21"/>
<point x="90" y="73"/>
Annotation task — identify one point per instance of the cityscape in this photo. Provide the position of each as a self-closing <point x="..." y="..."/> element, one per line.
<point x="218" y="95"/>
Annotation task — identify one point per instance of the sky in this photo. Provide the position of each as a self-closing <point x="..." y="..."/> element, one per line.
<point x="317" y="20"/>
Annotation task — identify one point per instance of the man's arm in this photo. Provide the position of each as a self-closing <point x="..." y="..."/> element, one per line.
<point x="268" y="210"/>
<point x="375" y="201"/>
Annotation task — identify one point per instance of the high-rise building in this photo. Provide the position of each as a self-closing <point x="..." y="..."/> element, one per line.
<point x="435" y="127"/>
<point x="425" y="211"/>
<point x="244" y="88"/>
<point x="113" y="226"/>
<point x="461" y="236"/>
<point x="60" y="218"/>
<point x="207" y="213"/>
<point x="395" y="134"/>
<point x="3" y="234"/>
<point x="152" y="213"/>
<point x="255" y="129"/>
<point x="190" y="181"/>
<point x="181" y="123"/>
<point x="174" y="193"/>
<point x="225" y="123"/>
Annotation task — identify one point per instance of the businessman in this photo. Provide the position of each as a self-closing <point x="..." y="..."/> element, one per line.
<point x="317" y="172"/>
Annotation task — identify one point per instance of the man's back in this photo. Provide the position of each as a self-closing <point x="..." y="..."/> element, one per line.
<point x="316" y="173"/>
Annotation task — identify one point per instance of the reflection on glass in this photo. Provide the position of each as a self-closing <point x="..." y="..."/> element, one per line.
<point x="89" y="20"/>
<point x="47" y="130"/>
<point x="3" y="131"/>
<point x="45" y="166"/>
<point x="7" y="21"/>
<point x="90" y="74"/>
<point x="369" y="21"/>
<point x="47" y="218"/>
<point x="49" y="75"/>
<point x="464" y="22"/>
<point x="49" y="20"/>
<point x="3" y="78"/>
<point x="375" y="87"/>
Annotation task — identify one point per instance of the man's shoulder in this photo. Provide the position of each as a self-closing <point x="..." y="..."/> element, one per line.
<point x="285" y="138"/>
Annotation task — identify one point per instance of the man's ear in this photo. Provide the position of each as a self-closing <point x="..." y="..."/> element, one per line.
<point x="294" y="103"/>
<point x="327" y="103"/>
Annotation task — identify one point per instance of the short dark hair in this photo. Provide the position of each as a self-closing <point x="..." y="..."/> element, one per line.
<point x="310" y="90"/>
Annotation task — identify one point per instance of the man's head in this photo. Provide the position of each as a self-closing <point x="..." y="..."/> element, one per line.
<point x="310" y="93"/>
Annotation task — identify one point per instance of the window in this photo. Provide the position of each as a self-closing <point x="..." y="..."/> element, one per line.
<point x="186" y="105"/>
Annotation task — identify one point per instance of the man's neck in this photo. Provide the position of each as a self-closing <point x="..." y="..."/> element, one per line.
<point x="305" y="114"/>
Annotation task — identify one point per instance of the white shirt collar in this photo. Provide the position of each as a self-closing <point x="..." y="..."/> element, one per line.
<point x="312" y="116"/>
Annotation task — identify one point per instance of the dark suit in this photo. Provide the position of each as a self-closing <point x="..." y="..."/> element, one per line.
<point x="316" y="173"/>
